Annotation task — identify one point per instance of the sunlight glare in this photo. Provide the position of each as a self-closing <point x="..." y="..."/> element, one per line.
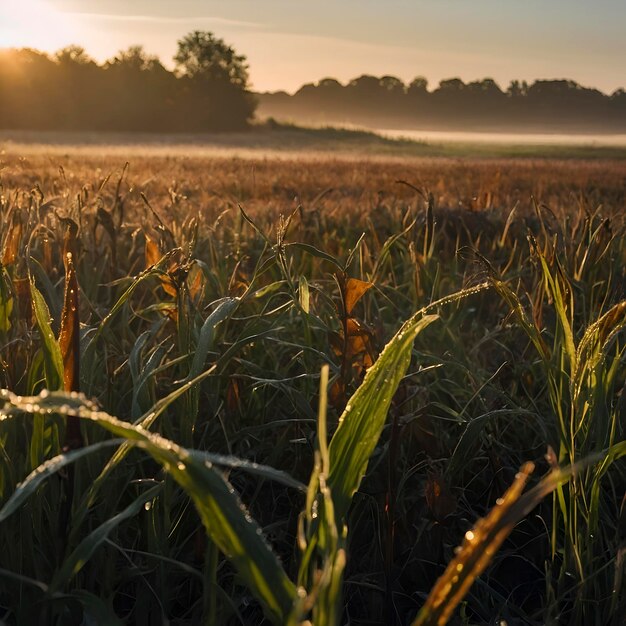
<point x="35" y="24"/>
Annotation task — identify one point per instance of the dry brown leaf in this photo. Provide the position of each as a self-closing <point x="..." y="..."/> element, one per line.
<point x="153" y="256"/>
<point x="195" y="281"/>
<point x="439" y="498"/>
<point x="153" y="252"/>
<point x="353" y="292"/>
<point x="337" y="395"/>
<point x="12" y="242"/>
<point x="359" y="343"/>
<point x="21" y="288"/>
<point x="69" y="343"/>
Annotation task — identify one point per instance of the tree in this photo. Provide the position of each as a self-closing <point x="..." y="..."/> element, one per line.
<point x="135" y="59"/>
<point x="517" y="89"/>
<point x="142" y="91"/>
<point x="485" y="86"/>
<point x="217" y="96"/>
<point x="203" y="56"/>
<point x="451" y="86"/>
<point x="392" y="85"/>
<point x="418" y="86"/>
<point x="73" y="55"/>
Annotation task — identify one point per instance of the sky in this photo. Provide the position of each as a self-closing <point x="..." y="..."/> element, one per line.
<point x="291" y="42"/>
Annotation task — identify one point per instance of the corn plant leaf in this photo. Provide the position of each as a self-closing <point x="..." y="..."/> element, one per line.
<point x="153" y="256"/>
<point x="482" y="542"/>
<point x="69" y="342"/>
<point x="353" y="292"/>
<point x="12" y="241"/>
<point x="85" y="549"/>
<point x="479" y="546"/>
<point x="53" y="360"/>
<point x="34" y="480"/>
<point x="69" y="336"/>
<point x="206" y="341"/>
<point x="363" y="419"/>
<point x="153" y="252"/>
<point x="224" y="517"/>
<point x="313" y="251"/>
<point x="257" y="469"/>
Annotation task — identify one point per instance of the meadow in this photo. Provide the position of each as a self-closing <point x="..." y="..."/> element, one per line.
<point x="256" y="388"/>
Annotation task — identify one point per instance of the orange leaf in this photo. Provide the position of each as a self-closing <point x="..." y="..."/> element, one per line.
<point x="69" y="342"/>
<point x="439" y="498"/>
<point x="12" y="242"/>
<point x="353" y="292"/>
<point x="337" y="395"/>
<point x="153" y="252"/>
<point x="21" y="287"/>
<point x="153" y="256"/>
<point x="359" y="340"/>
<point x="195" y="281"/>
<point x="69" y="335"/>
<point x="479" y="546"/>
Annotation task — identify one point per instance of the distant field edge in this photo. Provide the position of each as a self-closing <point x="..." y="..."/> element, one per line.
<point x="274" y="140"/>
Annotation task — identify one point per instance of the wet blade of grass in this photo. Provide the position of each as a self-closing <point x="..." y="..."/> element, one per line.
<point x="53" y="359"/>
<point x="362" y="421"/>
<point x="482" y="542"/>
<point x="224" y="517"/>
<point x="206" y="341"/>
<point x="85" y="549"/>
<point x="145" y="422"/>
<point x="34" y="480"/>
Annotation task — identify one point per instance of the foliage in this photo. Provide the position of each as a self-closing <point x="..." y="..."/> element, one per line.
<point x="217" y="334"/>
<point x="387" y="102"/>
<point x="132" y="91"/>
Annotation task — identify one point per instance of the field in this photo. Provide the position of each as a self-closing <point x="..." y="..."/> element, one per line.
<point x="212" y="470"/>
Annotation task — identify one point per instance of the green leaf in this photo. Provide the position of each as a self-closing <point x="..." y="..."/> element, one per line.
<point x="85" y="549"/>
<point x="313" y="251"/>
<point x="206" y="341"/>
<point x="53" y="361"/>
<point x="264" y="471"/>
<point x="32" y="482"/>
<point x="364" y="416"/>
<point x="363" y="419"/>
<point x="224" y="517"/>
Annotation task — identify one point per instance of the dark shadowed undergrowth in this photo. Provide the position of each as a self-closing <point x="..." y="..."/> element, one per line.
<point x="222" y="405"/>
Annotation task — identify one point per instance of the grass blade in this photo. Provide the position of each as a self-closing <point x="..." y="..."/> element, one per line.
<point x="85" y="549"/>
<point x="482" y="542"/>
<point x="363" y="419"/>
<point x="224" y="517"/>
<point x="33" y="481"/>
<point x="53" y="360"/>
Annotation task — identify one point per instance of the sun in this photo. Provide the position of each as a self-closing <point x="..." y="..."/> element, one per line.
<point x="33" y="24"/>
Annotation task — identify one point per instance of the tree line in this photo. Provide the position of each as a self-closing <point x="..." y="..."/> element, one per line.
<point x="208" y="90"/>
<point x="481" y="104"/>
<point x="133" y="91"/>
